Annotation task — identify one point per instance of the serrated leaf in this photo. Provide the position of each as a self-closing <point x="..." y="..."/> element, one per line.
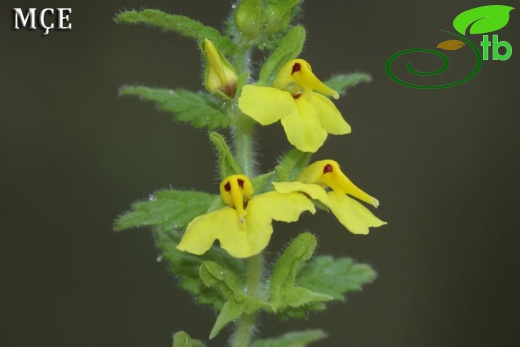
<point x="292" y="165"/>
<point x="298" y="297"/>
<point x="185" y="267"/>
<point x="483" y="19"/>
<point x="282" y="292"/>
<point x="199" y="109"/>
<point x="289" y="48"/>
<point x="229" y="284"/>
<point x="227" y="163"/>
<point x="292" y="339"/>
<point x="342" y="82"/>
<point x="334" y="277"/>
<point x="182" y="339"/>
<point x="166" y="208"/>
<point x="183" y="25"/>
<point x="301" y="311"/>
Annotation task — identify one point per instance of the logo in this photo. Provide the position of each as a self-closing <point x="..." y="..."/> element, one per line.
<point x="479" y="20"/>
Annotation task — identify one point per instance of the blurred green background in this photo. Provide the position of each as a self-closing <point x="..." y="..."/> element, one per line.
<point x="74" y="155"/>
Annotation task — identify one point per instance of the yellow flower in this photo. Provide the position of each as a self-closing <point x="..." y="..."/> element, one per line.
<point x="244" y="227"/>
<point x="220" y="76"/>
<point x="327" y="174"/>
<point x="307" y="117"/>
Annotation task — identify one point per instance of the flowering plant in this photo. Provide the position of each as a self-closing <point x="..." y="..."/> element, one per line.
<point x="231" y="276"/>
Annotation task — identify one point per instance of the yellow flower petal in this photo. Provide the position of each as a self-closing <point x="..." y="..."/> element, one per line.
<point x="352" y="214"/>
<point x="266" y="105"/>
<point x="281" y="207"/>
<point x="241" y="240"/>
<point x="327" y="173"/>
<point x="330" y="118"/>
<point x="205" y="229"/>
<point x="247" y="236"/>
<point x="312" y="190"/>
<point x="300" y="72"/>
<point x="303" y="128"/>
<point x="307" y="116"/>
<point x="349" y="212"/>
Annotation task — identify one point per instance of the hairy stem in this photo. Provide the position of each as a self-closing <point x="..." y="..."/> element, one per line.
<point x="243" y="141"/>
<point x="241" y="57"/>
<point x="242" y="133"/>
<point x="245" y="327"/>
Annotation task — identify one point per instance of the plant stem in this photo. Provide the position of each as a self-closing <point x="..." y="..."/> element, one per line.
<point x="255" y="268"/>
<point x="241" y="57"/>
<point x="246" y="324"/>
<point x="243" y="139"/>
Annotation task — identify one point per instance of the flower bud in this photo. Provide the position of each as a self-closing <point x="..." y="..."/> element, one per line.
<point x="248" y="18"/>
<point x="220" y="76"/>
<point x="278" y="15"/>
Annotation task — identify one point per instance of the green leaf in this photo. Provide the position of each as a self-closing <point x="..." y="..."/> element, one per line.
<point x="166" y="208"/>
<point x="270" y="42"/>
<point x="182" y="339"/>
<point x="184" y="26"/>
<point x="185" y="267"/>
<point x="283" y="293"/>
<point x="231" y="311"/>
<point x="217" y="204"/>
<point x="292" y="339"/>
<point x="299" y="297"/>
<point x="301" y="312"/>
<point x="482" y="20"/>
<point x="292" y="165"/>
<point x="199" y="109"/>
<point x="289" y="48"/>
<point x="261" y="183"/>
<point x="229" y="284"/>
<point x="342" y="82"/>
<point x="227" y="162"/>
<point x="334" y="277"/>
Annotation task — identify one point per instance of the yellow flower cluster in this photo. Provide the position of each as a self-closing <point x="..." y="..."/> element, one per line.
<point x="244" y="227"/>
<point x="298" y="99"/>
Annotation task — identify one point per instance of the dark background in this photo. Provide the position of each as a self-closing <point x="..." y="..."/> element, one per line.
<point x="74" y="155"/>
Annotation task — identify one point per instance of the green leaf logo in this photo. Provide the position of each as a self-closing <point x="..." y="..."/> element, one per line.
<point x="482" y="20"/>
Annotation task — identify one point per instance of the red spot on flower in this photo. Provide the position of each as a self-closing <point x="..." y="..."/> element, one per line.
<point x="240" y="183"/>
<point x="295" y="68"/>
<point x="296" y="96"/>
<point x="327" y="168"/>
<point x="227" y="187"/>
